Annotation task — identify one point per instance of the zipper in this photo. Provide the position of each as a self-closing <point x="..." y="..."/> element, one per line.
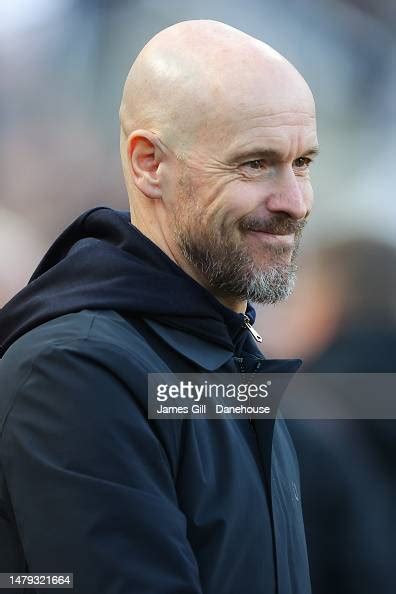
<point x="242" y="370"/>
<point x="249" y="375"/>
<point x="252" y="331"/>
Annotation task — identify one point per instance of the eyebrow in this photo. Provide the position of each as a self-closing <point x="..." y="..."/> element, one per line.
<point x="312" y="152"/>
<point x="272" y="154"/>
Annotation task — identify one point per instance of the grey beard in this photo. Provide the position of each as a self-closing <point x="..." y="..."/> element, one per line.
<point x="271" y="286"/>
<point x="230" y="271"/>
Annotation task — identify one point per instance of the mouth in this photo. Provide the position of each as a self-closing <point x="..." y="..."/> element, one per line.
<point x="284" y="239"/>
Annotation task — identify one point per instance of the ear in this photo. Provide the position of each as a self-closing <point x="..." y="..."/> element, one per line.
<point x="144" y="156"/>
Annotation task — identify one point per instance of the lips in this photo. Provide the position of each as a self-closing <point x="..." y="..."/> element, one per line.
<point x="282" y="238"/>
<point x="274" y="232"/>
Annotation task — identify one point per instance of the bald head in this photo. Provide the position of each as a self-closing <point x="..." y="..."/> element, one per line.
<point x="195" y="72"/>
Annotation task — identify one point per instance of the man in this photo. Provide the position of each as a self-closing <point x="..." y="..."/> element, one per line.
<point x="217" y="134"/>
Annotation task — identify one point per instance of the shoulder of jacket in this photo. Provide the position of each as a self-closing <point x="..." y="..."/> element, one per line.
<point x="93" y="325"/>
<point x="100" y="333"/>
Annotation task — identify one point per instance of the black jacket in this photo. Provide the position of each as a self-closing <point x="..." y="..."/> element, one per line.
<point x="88" y="484"/>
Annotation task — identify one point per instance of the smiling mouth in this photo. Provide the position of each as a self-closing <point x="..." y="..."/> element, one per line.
<point x="281" y="238"/>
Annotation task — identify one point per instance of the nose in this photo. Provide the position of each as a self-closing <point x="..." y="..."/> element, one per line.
<point x="291" y="195"/>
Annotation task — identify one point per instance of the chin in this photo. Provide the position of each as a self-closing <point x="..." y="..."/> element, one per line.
<point x="265" y="263"/>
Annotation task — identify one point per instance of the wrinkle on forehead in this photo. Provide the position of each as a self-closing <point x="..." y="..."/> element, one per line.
<point x="200" y="75"/>
<point x="282" y="119"/>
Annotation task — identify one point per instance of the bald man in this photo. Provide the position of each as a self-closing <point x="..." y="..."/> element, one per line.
<point x="217" y="137"/>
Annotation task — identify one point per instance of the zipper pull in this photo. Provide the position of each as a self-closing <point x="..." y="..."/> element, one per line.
<point x="252" y="331"/>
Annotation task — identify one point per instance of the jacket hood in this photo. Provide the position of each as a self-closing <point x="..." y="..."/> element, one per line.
<point x="102" y="261"/>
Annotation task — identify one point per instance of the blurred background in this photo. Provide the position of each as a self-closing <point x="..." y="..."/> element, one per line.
<point x="63" y="65"/>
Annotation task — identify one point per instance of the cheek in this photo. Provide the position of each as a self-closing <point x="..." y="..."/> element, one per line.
<point x="216" y="201"/>
<point x="245" y="198"/>
<point x="228" y="205"/>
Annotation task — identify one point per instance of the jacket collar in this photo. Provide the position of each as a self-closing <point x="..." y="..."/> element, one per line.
<point x="211" y="356"/>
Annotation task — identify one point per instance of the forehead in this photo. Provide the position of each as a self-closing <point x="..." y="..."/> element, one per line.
<point x="284" y="130"/>
<point x="276" y="108"/>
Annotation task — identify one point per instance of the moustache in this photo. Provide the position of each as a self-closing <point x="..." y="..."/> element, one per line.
<point x="276" y="225"/>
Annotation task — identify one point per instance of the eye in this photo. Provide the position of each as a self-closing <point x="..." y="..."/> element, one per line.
<point x="255" y="164"/>
<point x="302" y="162"/>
